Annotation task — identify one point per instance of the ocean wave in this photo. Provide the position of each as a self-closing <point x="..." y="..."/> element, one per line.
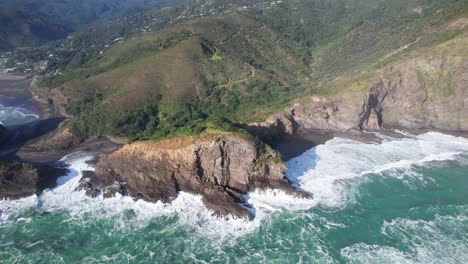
<point x="191" y="212"/>
<point x="440" y="240"/>
<point x="11" y="208"/>
<point x="325" y="171"/>
<point x="364" y="253"/>
<point x="10" y="116"/>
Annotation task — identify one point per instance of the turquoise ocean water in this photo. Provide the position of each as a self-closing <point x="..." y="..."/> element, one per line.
<point x="399" y="201"/>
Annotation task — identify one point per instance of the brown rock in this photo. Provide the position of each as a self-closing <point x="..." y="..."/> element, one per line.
<point x="18" y="180"/>
<point x="221" y="167"/>
<point x="424" y="93"/>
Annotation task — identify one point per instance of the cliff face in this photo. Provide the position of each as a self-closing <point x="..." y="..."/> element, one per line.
<point x="221" y="169"/>
<point x="421" y="93"/>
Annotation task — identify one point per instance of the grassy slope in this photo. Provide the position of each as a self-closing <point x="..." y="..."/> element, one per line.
<point x="242" y="67"/>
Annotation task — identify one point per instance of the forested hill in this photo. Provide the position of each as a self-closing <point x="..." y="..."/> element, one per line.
<point x="29" y="22"/>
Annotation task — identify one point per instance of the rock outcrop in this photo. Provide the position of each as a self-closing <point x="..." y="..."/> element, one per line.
<point x="18" y="180"/>
<point x="59" y="140"/>
<point x="421" y="93"/>
<point x="220" y="167"/>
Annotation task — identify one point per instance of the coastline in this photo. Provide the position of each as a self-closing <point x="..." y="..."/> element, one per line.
<point x="27" y="145"/>
<point x="291" y="146"/>
<point x="26" y="154"/>
<point x="38" y="146"/>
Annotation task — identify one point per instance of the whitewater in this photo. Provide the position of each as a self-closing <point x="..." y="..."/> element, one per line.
<point x="15" y="111"/>
<point x="401" y="200"/>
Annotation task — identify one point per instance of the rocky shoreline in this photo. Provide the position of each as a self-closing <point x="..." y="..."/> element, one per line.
<point x="29" y="152"/>
<point x="388" y="106"/>
<point x="223" y="167"/>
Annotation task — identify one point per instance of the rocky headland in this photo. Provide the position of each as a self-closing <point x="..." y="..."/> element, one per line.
<point x="417" y="95"/>
<point x="421" y="93"/>
<point x="222" y="167"/>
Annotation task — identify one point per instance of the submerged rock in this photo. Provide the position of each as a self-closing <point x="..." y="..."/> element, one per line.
<point x="220" y="167"/>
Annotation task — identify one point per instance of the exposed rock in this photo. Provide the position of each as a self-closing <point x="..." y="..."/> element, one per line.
<point x="418" y="94"/>
<point x="61" y="139"/>
<point x="328" y="113"/>
<point x="18" y="180"/>
<point x="220" y="167"/>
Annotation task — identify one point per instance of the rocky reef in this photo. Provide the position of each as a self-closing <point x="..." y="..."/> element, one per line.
<point x="221" y="167"/>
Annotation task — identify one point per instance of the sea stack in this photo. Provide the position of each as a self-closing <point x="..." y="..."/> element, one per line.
<point x="221" y="167"/>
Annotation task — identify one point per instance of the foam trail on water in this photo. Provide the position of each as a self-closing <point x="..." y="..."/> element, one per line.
<point x="192" y="214"/>
<point x="428" y="239"/>
<point x="10" y="116"/>
<point x="324" y="171"/>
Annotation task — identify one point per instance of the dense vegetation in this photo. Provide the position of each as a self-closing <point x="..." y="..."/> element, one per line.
<point x="220" y="64"/>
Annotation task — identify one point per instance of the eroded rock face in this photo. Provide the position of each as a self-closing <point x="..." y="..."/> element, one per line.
<point x="61" y="139"/>
<point x="221" y="169"/>
<point x="418" y="94"/>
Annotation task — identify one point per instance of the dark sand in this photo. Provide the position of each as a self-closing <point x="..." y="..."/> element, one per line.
<point x="25" y="136"/>
<point x="95" y="146"/>
<point x="292" y="146"/>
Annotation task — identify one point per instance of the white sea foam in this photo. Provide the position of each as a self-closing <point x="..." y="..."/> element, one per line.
<point x="15" y="115"/>
<point x="324" y="171"/>
<point x="364" y="253"/>
<point x="9" y="208"/>
<point x="192" y="214"/>
<point x="441" y="240"/>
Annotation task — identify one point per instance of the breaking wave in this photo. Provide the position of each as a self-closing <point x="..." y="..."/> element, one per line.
<point x="328" y="172"/>
<point x="441" y="240"/>
<point x="11" y="116"/>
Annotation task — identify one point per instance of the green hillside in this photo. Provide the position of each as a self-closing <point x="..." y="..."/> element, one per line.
<point x="220" y="63"/>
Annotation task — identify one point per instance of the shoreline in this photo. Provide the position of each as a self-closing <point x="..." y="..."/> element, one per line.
<point x="26" y="145"/>
<point x="41" y="142"/>
<point x="291" y="146"/>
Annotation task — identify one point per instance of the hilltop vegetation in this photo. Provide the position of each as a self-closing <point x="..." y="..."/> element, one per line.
<point x="224" y="64"/>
